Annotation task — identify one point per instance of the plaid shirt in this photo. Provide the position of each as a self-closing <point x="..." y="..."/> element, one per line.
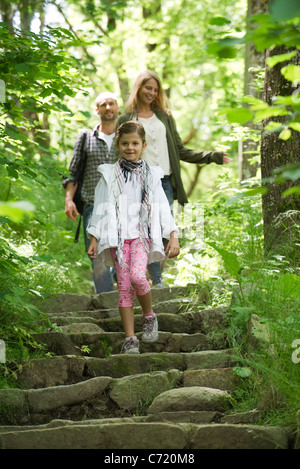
<point x="96" y="151"/>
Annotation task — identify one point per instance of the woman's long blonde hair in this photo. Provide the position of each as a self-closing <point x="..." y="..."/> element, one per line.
<point x="161" y="102"/>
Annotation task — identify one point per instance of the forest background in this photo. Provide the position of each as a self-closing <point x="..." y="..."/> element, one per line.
<point x="231" y="70"/>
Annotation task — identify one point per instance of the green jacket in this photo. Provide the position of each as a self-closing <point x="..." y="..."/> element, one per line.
<point x="177" y="152"/>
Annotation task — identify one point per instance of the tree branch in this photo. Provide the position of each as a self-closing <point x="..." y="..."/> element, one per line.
<point x="76" y="35"/>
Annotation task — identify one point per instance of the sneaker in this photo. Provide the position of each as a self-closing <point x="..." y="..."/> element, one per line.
<point x="158" y="285"/>
<point x="130" y="345"/>
<point x="150" y="328"/>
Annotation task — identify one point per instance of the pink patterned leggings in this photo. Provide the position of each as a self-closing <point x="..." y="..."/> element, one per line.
<point x="132" y="276"/>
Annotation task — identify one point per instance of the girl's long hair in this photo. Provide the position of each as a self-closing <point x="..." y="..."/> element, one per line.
<point x="161" y="102"/>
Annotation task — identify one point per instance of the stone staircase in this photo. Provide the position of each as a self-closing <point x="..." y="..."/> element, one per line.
<point x="175" y="395"/>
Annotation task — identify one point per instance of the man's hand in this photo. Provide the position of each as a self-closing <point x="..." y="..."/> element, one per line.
<point x="70" y="207"/>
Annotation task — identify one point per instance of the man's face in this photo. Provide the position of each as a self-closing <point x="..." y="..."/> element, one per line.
<point x="107" y="109"/>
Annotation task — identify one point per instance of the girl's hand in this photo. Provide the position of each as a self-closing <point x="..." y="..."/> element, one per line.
<point x="172" y="247"/>
<point x="92" y="250"/>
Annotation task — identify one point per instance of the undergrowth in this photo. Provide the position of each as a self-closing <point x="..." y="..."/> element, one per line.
<point x="227" y="266"/>
<point x="232" y="262"/>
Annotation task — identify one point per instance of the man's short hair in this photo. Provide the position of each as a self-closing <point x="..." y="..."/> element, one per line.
<point x="105" y="95"/>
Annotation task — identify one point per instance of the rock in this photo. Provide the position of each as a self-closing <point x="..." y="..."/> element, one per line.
<point x="219" y="436"/>
<point x="13" y="406"/>
<point x="258" y="333"/>
<point x="110" y="299"/>
<point x="133" y="392"/>
<point x="191" y="398"/>
<point x="52" y="371"/>
<point x="121" y="365"/>
<point x="57" y="343"/>
<point x="65" y="302"/>
<point x="251" y="416"/>
<point x="188" y="342"/>
<point x="208" y="319"/>
<point x="191" y="416"/>
<point x="219" y="378"/>
<point x="210" y="359"/>
<point x="98" y="436"/>
<point x="81" y="328"/>
<point x="152" y="435"/>
<point x="43" y="400"/>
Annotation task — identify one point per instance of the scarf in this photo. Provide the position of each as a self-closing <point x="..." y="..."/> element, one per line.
<point x="125" y="171"/>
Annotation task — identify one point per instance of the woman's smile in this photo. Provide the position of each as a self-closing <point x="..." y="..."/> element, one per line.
<point x="149" y="91"/>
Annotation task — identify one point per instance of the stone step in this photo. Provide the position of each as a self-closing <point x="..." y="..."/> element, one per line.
<point x="146" y="435"/>
<point x="191" y="416"/>
<point x="176" y="394"/>
<point x="205" y="321"/>
<point x="93" y="341"/>
<point x="174" y="306"/>
<point x="65" y="302"/>
<point x="70" y="369"/>
<point x="164" y="391"/>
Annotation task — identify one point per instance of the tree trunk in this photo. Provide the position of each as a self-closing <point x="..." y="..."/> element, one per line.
<point x="7" y="13"/>
<point x="154" y="11"/>
<point x="281" y="214"/>
<point x="254" y="62"/>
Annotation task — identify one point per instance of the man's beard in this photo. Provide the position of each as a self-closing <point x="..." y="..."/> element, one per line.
<point x="109" y="117"/>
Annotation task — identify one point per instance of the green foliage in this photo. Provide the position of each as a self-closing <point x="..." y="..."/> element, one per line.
<point x="18" y="315"/>
<point x="48" y="78"/>
<point x="274" y="296"/>
<point x="277" y="28"/>
<point x="231" y="262"/>
<point x="268" y="288"/>
<point x="232" y="226"/>
<point x="283" y="11"/>
<point x="107" y="349"/>
<point x="38" y="72"/>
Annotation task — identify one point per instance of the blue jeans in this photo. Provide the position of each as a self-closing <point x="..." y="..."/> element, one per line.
<point x="102" y="274"/>
<point x="154" y="268"/>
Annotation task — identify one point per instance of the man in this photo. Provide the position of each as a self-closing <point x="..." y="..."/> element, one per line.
<point x="99" y="149"/>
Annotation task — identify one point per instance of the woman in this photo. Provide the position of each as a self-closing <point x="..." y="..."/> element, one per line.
<point x="148" y="104"/>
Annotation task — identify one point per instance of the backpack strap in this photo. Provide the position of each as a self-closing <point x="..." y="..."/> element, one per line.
<point x="80" y="169"/>
<point x="80" y="177"/>
<point x="78" y="230"/>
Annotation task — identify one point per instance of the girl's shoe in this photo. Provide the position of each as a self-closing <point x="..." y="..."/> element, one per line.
<point x="131" y="345"/>
<point x="150" y="328"/>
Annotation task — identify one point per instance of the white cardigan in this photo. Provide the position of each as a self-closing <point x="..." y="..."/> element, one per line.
<point x="103" y="223"/>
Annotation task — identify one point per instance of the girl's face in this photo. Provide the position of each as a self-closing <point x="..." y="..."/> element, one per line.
<point x="131" y="147"/>
<point x="148" y="92"/>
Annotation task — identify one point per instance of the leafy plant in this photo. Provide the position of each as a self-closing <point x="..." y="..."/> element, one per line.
<point x="106" y="348"/>
<point x="232" y="264"/>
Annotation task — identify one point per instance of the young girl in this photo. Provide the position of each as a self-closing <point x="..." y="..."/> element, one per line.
<point x="131" y="216"/>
